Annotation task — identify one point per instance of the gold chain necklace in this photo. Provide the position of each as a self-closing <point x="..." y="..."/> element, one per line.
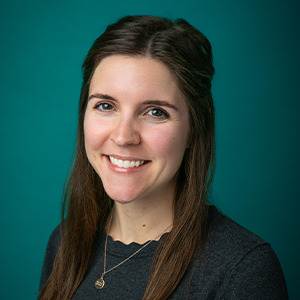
<point x="99" y="284"/>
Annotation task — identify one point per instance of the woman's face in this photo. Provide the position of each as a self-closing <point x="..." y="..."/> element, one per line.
<point x="136" y="128"/>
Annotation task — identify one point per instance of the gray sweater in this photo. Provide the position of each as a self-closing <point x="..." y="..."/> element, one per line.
<point x="235" y="264"/>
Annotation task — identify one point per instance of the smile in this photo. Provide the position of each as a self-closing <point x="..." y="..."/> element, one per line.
<point x="126" y="163"/>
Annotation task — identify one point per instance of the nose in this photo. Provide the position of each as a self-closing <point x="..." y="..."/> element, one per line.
<point x="126" y="133"/>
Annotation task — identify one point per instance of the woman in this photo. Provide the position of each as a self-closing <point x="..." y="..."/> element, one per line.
<point x="137" y="222"/>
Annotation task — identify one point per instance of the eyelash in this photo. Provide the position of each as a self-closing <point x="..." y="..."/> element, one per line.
<point x="164" y="115"/>
<point x="109" y="107"/>
<point x="101" y="108"/>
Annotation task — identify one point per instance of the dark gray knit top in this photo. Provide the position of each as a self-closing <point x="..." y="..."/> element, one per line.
<point x="235" y="264"/>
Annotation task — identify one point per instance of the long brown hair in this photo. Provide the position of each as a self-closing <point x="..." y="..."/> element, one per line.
<point x="187" y="54"/>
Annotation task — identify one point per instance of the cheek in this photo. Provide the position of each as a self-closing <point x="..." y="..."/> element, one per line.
<point x="94" y="134"/>
<point x="89" y="135"/>
<point x="168" y="144"/>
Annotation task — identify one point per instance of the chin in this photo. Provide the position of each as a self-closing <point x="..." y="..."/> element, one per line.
<point x="122" y="198"/>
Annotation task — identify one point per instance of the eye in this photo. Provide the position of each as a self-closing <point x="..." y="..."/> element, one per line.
<point x="158" y="113"/>
<point x="104" y="106"/>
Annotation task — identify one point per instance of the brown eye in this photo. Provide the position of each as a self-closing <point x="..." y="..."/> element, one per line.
<point x="157" y="113"/>
<point x="105" y="106"/>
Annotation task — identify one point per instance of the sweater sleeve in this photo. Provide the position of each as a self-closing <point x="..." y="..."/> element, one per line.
<point x="52" y="247"/>
<point x="258" y="275"/>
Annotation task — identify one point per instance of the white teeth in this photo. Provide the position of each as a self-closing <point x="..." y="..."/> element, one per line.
<point x="125" y="163"/>
<point x="120" y="163"/>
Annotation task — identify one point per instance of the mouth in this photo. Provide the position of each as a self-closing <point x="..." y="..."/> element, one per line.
<point x="126" y="164"/>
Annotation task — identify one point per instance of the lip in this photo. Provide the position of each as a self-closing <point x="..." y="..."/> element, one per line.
<point x="126" y="170"/>
<point x="126" y="157"/>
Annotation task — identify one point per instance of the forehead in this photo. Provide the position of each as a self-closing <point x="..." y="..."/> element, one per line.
<point x="133" y="73"/>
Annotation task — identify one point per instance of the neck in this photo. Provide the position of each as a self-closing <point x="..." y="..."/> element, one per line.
<point x="139" y="223"/>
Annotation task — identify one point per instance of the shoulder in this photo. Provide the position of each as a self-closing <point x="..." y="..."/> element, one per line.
<point x="229" y="239"/>
<point x="237" y="264"/>
<point x="55" y="238"/>
<point x="51" y="250"/>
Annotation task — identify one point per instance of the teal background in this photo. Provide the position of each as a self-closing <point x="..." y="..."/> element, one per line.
<point x="256" y="50"/>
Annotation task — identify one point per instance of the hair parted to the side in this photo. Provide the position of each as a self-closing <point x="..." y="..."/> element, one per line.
<point x="187" y="54"/>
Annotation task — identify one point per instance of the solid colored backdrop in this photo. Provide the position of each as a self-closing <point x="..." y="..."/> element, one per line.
<point x="256" y="53"/>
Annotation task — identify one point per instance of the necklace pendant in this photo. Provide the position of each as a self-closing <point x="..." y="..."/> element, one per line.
<point x="99" y="284"/>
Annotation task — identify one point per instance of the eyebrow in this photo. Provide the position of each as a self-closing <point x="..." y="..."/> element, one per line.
<point x="160" y="103"/>
<point x="147" y="102"/>
<point x="101" y="96"/>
